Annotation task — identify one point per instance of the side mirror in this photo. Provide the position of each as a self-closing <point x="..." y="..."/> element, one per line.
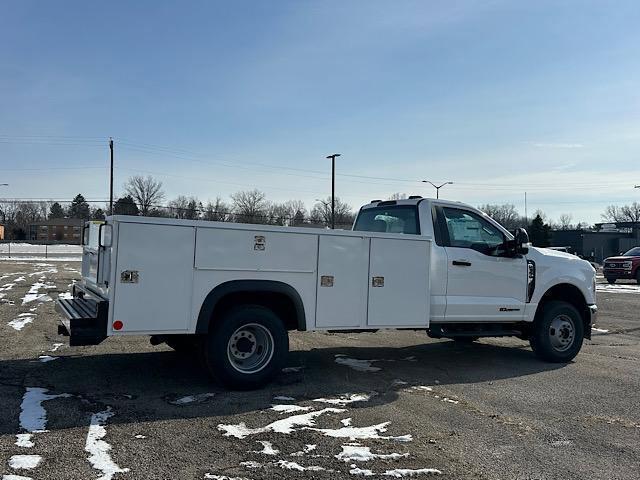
<point x="521" y="239"/>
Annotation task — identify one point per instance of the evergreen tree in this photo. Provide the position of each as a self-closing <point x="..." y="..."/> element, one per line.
<point x="539" y="232"/>
<point x="79" y="208"/>
<point x="97" y="214"/>
<point x="56" y="211"/>
<point x="125" y="206"/>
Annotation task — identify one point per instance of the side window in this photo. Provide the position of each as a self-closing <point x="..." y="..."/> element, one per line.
<point x="469" y="230"/>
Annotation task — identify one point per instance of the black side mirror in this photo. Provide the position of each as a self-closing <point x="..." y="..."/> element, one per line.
<point x="521" y="238"/>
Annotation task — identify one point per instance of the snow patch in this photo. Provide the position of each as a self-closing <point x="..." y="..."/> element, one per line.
<point x="199" y="398"/>
<point x="364" y="472"/>
<point x="22" y="320"/>
<point x="306" y="449"/>
<point x="287" y="465"/>
<point x="598" y="331"/>
<point x="24" y="440"/>
<point x="24" y="462"/>
<point x="345" y="399"/>
<point x="267" y="448"/>
<point x="357" y="364"/>
<point x="352" y="453"/>
<point x="361" y="433"/>
<point x="100" y="459"/>
<point x="291" y="369"/>
<point x="33" y="416"/>
<point x="65" y="296"/>
<point x="47" y="358"/>
<point x="15" y="477"/>
<point x="141" y="436"/>
<point x="33" y="295"/>
<point x="56" y="346"/>
<point x="289" y="408"/>
<point x="286" y="425"/>
<point x="409" y="472"/>
<point x="632" y="289"/>
<point x="346" y="421"/>
<point x="222" y="477"/>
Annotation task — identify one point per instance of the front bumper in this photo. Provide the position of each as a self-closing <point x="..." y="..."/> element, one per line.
<point x="83" y="318"/>
<point x="617" y="273"/>
<point x="593" y="316"/>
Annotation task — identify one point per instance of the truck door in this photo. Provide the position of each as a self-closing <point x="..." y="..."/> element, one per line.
<point x="481" y="286"/>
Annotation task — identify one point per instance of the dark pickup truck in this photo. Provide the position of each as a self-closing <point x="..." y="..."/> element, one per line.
<point x="624" y="266"/>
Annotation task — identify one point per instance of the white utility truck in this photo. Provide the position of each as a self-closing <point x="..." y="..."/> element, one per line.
<point x="233" y="291"/>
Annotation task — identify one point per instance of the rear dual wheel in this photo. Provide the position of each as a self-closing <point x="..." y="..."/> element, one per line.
<point x="247" y="347"/>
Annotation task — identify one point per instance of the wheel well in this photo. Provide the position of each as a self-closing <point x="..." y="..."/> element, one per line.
<point x="280" y="303"/>
<point x="570" y="294"/>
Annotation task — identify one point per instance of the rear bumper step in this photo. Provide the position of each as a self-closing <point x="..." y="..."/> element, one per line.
<point x="83" y="319"/>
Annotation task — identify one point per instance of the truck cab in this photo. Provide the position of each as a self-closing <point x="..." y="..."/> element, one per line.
<point x="484" y="280"/>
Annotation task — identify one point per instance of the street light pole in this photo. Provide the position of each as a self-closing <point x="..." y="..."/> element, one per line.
<point x="437" y="187"/>
<point x="111" y="179"/>
<point x="333" y="188"/>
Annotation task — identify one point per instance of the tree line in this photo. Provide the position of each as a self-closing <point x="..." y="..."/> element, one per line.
<point x="145" y="196"/>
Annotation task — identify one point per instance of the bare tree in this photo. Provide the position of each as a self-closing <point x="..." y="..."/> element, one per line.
<point x="250" y="206"/>
<point x="146" y="191"/>
<point x="565" y="221"/>
<point x="625" y="213"/>
<point x="217" y="211"/>
<point x="185" y="207"/>
<point x="321" y="213"/>
<point x="505" y="214"/>
<point x="398" y="196"/>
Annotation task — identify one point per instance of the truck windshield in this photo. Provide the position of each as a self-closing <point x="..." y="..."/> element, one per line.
<point x="389" y="219"/>
<point x="634" y="252"/>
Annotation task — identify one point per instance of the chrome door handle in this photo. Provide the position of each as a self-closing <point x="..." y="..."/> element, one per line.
<point x="461" y="263"/>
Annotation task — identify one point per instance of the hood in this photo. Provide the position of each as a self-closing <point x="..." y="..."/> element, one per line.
<point x="548" y="256"/>
<point x="620" y="258"/>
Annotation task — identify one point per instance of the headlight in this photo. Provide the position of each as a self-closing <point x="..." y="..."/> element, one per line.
<point x="628" y="265"/>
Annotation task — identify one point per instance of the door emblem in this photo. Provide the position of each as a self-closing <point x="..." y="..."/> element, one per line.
<point x="129" y="276"/>
<point x="259" y="242"/>
<point x="326" y="281"/>
<point x="377" y="281"/>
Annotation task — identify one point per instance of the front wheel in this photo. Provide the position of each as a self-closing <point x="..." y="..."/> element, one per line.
<point x="247" y="347"/>
<point x="638" y="276"/>
<point x="611" y="280"/>
<point x="557" y="333"/>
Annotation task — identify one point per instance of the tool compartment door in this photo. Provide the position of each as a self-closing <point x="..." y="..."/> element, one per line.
<point x="154" y="278"/>
<point x="399" y="283"/>
<point x="342" y="281"/>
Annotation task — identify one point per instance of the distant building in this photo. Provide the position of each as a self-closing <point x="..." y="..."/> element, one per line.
<point x="1" y="231"/>
<point x="61" y="230"/>
<point x="607" y="240"/>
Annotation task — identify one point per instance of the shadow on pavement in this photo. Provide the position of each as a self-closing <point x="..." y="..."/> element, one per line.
<point x="140" y="386"/>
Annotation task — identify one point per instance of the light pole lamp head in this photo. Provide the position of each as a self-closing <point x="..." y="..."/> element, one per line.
<point x="333" y="155"/>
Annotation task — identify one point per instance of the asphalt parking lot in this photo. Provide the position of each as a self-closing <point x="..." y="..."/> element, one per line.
<point x="386" y="405"/>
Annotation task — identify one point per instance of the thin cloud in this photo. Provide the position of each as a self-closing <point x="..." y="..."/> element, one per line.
<point x="557" y="145"/>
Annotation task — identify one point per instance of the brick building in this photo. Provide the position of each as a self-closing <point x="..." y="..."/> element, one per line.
<point x="63" y="230"/>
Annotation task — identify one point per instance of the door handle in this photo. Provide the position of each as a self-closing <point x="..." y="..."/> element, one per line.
<point x="461" y="263"/>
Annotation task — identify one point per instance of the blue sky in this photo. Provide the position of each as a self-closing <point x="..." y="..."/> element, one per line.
<point x="500" y="97"/>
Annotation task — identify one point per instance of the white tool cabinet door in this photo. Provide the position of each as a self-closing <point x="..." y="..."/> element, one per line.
<point x="157" y="297"/>
<point x="398" y="283"/>
<point x="342" y="281"/>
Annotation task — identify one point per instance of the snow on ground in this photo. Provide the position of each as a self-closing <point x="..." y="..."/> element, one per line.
<point x="24" y="462"/>
<point x="598" y="331"/>
<point x="35" y="248"/>
<point x="47" y="358"/>
<point x="33" y="416"/>
<point x="34" y="295"/>
<point x="199" y="398"/>
<point x="39" y="259"/>
<point x="267" y="448"/>
<point x="358" y="453"/>
<point x="345" y="399"/>
<point x="100" y="459"/>
<point x="22" y="320"/>
<point x="622" y="288"/>
<point x="289" y="408"/>
<point x="357" y="364"/>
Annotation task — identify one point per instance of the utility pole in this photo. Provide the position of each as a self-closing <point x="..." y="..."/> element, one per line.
<point x="333" y="188"/>
<point x="111" y="181"/>
<point x="526" y="218"/>
<point x="437" y="187"/>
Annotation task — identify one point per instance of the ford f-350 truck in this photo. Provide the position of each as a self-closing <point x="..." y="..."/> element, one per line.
<point x="233" y="291"/>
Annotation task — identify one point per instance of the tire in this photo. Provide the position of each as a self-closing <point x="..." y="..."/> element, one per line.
<point x="183" y="344"/>
<point x="638" y="276"/>
<point x="611" y="280"/>
<point x="558" y="332"/>
<point x="465" y="340"/>
<point x="247" y="347"/>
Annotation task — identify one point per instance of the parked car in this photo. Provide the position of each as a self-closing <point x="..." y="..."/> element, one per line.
<point x="623" y="266"/>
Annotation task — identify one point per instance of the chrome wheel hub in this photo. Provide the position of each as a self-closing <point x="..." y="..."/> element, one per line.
<point x="250" y="348"/>
<point x="562" y="333"/>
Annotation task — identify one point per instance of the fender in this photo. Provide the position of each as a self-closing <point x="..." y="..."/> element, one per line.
<point x="248" y="286"/>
